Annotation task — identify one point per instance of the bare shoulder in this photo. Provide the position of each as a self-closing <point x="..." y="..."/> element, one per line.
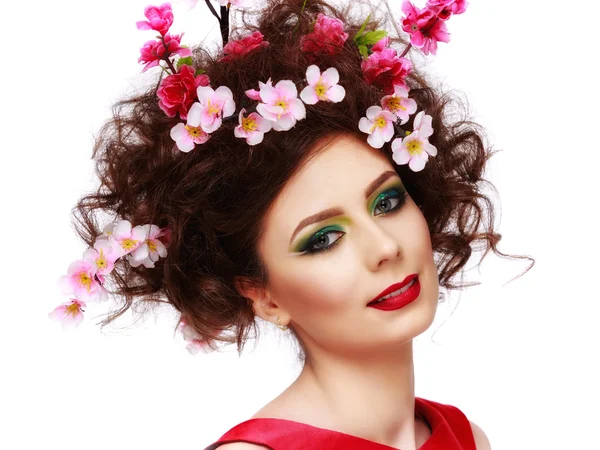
<point x="481" y="440"/>
<point x="241" y="446"/>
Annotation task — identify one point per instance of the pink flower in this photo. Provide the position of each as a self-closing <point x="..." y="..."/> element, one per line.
<point x="254" y="94"/>
<point x="253" y="127"/>
<point x="415" y="148"/>
<point x="424" y="27"/>
<point x="381" y="44"/>
<point x="211" y="107"/>
<point x="281" y="104"/>
<point x="69" y="314"/>
<point x="327" y="37"/>
<point x="150" y="250"/>
<point x="399" y="104"/>
<point x="126" y="238"/>
<point x="385" y="69"/>
<point x="154" y="51"/>
<point x="177" y="92"/>
<point x="187" y="136"/>
<point x="195" y="342"/>
<point x="449" y="7"/>
<point x="159" y="18"/>
<point x="80" y="281"/>
<point x="103" y="255"/>
<point x="379" y="125"/>
<point x="236" y="49"/>
<point x="322" y="86"/>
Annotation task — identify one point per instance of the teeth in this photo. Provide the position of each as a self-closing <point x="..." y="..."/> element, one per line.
<point x="399" y="291"/>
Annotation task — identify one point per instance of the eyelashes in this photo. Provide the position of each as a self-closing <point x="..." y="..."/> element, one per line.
<point x="391" y="195"/>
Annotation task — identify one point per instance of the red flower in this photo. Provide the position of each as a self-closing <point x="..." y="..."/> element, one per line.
<point x="385" y="70"/>
<point x="235" y="49"/>
<point x="328" y="36"/>
<point x="177" y="92"/>
<point x="155" y="51"/>
<point x="160" y="18"/>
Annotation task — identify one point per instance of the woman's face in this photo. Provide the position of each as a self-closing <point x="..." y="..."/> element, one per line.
<point x="322" y="275"/>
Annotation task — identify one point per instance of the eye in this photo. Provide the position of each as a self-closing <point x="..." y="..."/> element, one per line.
<point x="390" y="201"/>
<point x="321" y="242"/>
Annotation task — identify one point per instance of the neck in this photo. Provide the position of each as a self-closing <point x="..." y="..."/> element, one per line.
<point x="370" y="397"/>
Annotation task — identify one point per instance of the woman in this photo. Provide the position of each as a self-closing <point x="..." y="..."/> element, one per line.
<point x="300" y="175"/>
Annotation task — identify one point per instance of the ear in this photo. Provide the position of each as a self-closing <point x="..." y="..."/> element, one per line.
<point x="262" y="303"/>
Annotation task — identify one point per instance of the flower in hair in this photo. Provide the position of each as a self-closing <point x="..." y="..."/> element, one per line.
<point x="449" y="7"/>
<point x="160" y="18"/>
<point x="150" y="250"/>
<point x="235" y="49"/>
<point x="69" y="314"/>
<point x="186" y="136"/>
<point x="415" y="148"/>
<point x="80" y="281"/>
<point x="211" y="107"/>
<point x="399" y="104"/>
<point x="177" y="92"/>
<point x="155" y="51"/>
<point x="281" y="104"/>
<point x="424" y="27"/>
<point x="253" y="127"/>
<point x="126" y="239"/>
<point x="327" y="37"/>
<point x="322" y="86"/>
<point x="195" y="342"/>
<point x="379" y="125"/>
<point x="385" y="69"/>
<point x="103" y="255"/>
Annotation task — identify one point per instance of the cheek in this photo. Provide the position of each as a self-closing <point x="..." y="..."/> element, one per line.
<point x="318" y="284"/>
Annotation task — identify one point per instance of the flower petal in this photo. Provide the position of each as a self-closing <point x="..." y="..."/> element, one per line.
<point x="331" y="76"/>
<point x="336" y="93"/>
<point x="313" y="74"/>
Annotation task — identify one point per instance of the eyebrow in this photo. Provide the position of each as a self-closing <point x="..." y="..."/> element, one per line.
<point x="331" y="212"/>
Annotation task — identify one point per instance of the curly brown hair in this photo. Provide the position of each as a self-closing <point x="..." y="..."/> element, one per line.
<point x="215" y="197"/>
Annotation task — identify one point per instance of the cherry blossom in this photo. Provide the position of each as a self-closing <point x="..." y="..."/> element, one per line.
<point x="150" y="250"/>
<point x="281" y="104"/>
<point x="415" y="148"/>
<point x="80" y="281"/>
<point x="211" y="107"/>
<point x="253" y="127"/>
<point x="323" y="86"/>
<point x="379" y="125"/>
<point x="399" y="104"/>
<point x="69" y="314"/>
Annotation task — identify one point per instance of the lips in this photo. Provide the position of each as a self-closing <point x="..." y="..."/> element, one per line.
<point x="394" y="287"/>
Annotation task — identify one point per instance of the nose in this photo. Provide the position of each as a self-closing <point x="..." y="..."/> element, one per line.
<point x="378" y="244"/>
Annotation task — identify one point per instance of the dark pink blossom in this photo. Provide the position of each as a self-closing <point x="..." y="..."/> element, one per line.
<point x="235" y="49"/>
<point x="155" y="51"/>
<point x="449" y="7"/>
<point x="385" y="70"/>
<point x="381" y="44"/>
<point x="177" y="92"/>
<point x="159" y="18"/>
<point x="424" y="27"/>
<point x="327" y="37"/>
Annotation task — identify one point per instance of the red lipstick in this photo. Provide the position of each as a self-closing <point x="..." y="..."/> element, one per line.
<point x="401" y="298"/>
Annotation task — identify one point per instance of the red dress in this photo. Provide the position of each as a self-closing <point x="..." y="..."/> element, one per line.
<point x="450" y="430"/>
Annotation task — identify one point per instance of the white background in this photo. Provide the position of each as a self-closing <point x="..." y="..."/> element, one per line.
<point x="520" y="360"/>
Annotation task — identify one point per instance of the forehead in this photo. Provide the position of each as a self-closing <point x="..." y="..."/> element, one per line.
<point x="338" y="173"/>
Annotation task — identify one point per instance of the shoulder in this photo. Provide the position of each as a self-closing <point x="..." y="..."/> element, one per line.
<point x="481" y="440"/>
<point x="241" y="446"/>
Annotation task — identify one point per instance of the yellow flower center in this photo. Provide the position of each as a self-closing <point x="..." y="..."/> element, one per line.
<point x="415" y="147"/>
<point x="284" y="105"/>
<point x="394" y="105"/>
<point x="73" y="309"/>
<point x="249" y="124"/>
<point x="380" y="122"/>
<point x="85" y="280"/>
<point x="194" y="132"/>
<point x="213" y="109"/>
<point x="128" y="244"/>
<point x="321" y="90"/>
<point x="151" y="245"/>
<point x="101" y="262"/>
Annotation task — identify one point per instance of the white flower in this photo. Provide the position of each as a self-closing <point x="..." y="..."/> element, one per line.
<point x="322" y="86"/>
